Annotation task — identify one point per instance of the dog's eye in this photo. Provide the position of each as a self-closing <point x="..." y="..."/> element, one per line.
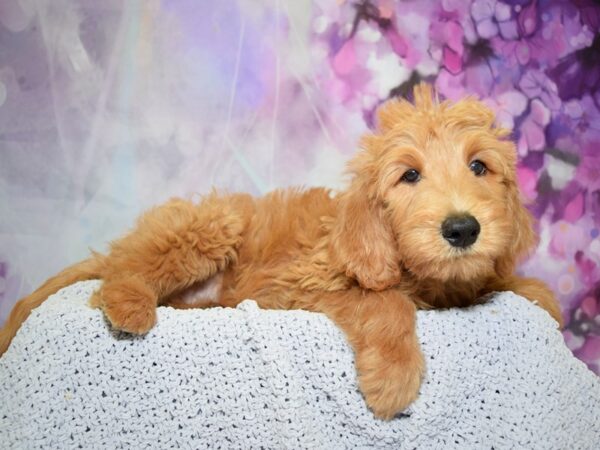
<point x="478" y="168"/>
<point x="410" y="176"/>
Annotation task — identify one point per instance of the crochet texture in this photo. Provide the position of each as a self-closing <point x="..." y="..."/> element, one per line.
<point x="498" y="375"/>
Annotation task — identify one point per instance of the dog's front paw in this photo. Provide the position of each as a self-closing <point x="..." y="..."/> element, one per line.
<point x="389" y="385"/>
<point x="129" y="305"/>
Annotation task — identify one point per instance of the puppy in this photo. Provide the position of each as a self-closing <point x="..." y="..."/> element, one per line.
<point x="432" y="219"/>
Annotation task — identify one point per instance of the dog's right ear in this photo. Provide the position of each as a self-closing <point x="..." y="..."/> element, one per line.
<point x="363" y="242"/>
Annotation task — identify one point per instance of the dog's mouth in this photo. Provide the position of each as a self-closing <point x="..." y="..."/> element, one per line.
<point x="456" y="264"/>
<point x="457" y="254"/>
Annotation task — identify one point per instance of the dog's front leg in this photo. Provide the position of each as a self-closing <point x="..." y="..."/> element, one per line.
<point x="381" y="329"/>
<point x="533" y="290"/>
<point x="172" y="247"/>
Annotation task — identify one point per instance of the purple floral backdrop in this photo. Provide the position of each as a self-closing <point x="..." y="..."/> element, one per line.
<point x="109" y="107"/>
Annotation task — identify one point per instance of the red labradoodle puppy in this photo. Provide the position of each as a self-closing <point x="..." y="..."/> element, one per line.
<point x="432" y="219"/>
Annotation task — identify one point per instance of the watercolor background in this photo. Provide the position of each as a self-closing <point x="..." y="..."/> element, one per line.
<point x="109" y="107"/>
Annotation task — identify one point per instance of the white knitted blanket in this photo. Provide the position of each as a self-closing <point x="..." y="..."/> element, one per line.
<point x="498" y="376"/>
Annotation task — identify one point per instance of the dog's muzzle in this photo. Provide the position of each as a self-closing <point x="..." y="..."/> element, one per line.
<point x="461" y="231"/>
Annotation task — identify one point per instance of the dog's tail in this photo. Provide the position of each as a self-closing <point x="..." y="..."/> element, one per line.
<point x="87" y="269"/>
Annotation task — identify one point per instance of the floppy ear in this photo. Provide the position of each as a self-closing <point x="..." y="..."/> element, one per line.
<point x="523" y="237"/>
<point x="363" y="243"/>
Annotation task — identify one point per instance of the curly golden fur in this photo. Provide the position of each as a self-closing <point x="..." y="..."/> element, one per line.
<point x="368" y="257"/>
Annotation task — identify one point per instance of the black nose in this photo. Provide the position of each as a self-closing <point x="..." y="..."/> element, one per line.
<point x="461" y="231"/>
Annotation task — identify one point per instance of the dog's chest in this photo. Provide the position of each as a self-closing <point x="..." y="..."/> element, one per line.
<point x="432" y="294"/>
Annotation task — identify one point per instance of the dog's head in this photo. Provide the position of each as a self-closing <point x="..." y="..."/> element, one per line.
<point x="434" y="192"/>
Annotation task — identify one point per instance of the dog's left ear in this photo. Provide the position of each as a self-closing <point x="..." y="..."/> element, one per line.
<point x="363" y="243"/>
<point x="523" y="237"/>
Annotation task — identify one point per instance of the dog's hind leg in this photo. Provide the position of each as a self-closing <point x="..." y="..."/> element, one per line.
<point x="172" y="247"/>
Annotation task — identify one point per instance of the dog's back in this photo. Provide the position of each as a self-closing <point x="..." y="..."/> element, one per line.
<point x="285" y="238"/>
<point x="281" y="230"/>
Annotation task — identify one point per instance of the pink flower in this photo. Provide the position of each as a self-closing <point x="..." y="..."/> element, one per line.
<point x="588" y="170"/>
<point x="453" y="36"/>
<point x="588" y="272"/>
<point x="585" y="114"/>
<point x="397" y="42"/>
<point x="527" y="182"/>
<point x="567" y="239"/>
<point x="482" y="12"/>
<point x="574" y="209"/>
<point x="532" y="129"/>
<point x="449" y="37"/>
<point x="589" y="352"/>
<point x="477" y="79"/>
<point x="450" y="86"/>
<point x="558" y="34"/>
<point x="583" y="330"/>
<point x="345" y="59"/>
<point x="528" y="19"/>
<point x="508" y="105"/>
<point x="535" y="84"/>
<point x="590" y="306"/>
